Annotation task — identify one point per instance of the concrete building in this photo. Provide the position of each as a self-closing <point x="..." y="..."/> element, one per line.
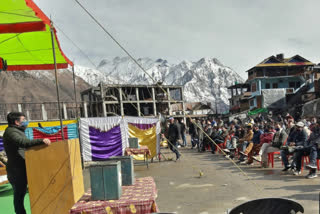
<point x="239" y="100"/>
<point x="276" y="83"/>
<point x="133" y="100"/>
<point x="198" y="109"/>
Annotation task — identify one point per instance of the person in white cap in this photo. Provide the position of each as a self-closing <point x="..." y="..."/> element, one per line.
<point x="297" y="138"/>
<point x="311" y="148"/>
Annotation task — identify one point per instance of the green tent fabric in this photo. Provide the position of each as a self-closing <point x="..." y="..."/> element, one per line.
<point x="16" y="17"/>
<point x="6" y="200"/>
<point x="257" y="111"/>
<point x="25" y="37"/>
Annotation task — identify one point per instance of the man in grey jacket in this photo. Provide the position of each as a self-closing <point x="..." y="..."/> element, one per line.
<point x="278" y="139"/>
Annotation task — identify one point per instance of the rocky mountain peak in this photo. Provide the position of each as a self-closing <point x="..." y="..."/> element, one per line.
<point x="205" y="80"/>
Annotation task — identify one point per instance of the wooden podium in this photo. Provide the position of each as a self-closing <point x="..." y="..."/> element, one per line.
<point x="55" y="176"/>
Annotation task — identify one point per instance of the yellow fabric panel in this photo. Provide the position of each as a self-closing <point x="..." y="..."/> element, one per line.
<point x="44" y="124"/>
<point x="146" y="138"/>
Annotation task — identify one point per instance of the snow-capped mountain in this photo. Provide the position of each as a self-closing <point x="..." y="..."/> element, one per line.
<point x="205" y="80"/>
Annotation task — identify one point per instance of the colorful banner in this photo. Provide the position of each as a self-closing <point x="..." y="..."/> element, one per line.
<point x="1" y="144"/>
<point x="105" y="137"/>
<point x="146" y="136"/>
<point x="51" y="130"/>
<point x="44" y="124"/>
<point x="54" y="137"/>
<point x="105" y="144"/>
<point x="1" y="141"/>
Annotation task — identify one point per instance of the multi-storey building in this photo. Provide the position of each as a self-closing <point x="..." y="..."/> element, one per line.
<point x="275" y="83"/>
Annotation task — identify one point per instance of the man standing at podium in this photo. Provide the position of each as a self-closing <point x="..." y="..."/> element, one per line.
<point x="15" y="142"/>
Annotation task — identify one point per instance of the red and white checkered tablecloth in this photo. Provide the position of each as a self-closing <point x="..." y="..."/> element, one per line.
<point x="139" y="198"/>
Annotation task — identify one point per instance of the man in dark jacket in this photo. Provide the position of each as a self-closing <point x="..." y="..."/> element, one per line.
<point x="206" y="140"/>
<point x="219" y="138"/>
<point x="297" y="138"/>
<point x="173" y="136"/>
<point x="193" y="133"/>
<point x="183" y="133"/>
<point x="200" y="131"/>
<point x="179" y="130"/>
<point x="15" y="142"/>
<point x="310" y="148"/>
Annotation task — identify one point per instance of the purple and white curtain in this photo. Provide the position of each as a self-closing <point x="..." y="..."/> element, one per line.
<point x="102" y="138"/>
<point x="1" y="141"/>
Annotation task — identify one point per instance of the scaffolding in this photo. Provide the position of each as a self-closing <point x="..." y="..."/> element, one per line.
<point x="134" y="100"/>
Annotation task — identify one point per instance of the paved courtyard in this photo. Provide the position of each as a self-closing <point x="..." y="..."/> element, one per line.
<point x="181" y="189"/>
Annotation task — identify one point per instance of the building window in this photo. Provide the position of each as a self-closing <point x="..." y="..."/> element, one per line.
<point x="292" y="84"/>
<point x="251" y="102"/>
<point x="254" y="87"/>
<point x="275" y="85"/>
<point x="259" y="73"/>
<point x="298" y="84"/>
<point x="267" y="85"/>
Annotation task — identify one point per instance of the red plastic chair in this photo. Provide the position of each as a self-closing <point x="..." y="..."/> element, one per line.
<point x="307" y="160"/>
<point x="207" y="147"/>
<point x="271" y="155"/>
<point x="304" y="158"/>
<point x="224" y="145"/>
<point x="271" y="158"/>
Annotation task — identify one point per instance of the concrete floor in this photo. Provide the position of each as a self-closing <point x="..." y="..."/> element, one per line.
<point x="223" y="186"/>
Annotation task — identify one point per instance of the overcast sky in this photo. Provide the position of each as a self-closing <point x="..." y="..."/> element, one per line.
<point x="240" y="33"/>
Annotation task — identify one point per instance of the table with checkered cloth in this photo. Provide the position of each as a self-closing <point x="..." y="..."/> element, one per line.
<point x="143" y="150"/>
<point x="139" y="198"/>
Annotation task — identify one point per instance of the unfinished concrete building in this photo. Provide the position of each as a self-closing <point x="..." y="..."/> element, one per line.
<point x="133" y="100"/>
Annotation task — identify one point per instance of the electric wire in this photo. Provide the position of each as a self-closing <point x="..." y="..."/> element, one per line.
<point x="140" y="66"/>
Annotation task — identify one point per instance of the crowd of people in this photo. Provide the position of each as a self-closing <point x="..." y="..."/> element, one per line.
<point x="252" y="139"/>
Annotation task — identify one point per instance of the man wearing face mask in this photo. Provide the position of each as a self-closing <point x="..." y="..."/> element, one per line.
<point x="15" y="142"/>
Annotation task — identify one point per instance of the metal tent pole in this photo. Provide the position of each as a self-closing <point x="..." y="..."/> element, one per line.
<point x="56" y="76"/>
<point x="75" y="91"/>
